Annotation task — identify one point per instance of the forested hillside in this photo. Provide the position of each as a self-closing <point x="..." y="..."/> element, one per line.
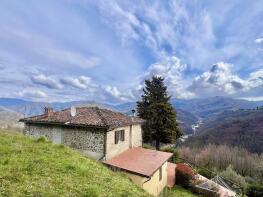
<point x="242" y="128"/>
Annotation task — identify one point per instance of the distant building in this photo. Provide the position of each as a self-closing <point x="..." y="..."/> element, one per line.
<point x="112" y="137"/>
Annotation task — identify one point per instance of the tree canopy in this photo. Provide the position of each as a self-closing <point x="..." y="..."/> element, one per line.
<point x="160" y="117"/>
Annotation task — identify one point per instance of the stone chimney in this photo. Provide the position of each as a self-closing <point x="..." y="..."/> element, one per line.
<point x="48" y="111"/>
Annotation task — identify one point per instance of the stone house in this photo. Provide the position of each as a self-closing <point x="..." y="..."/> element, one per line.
<point x="108" y="136"/>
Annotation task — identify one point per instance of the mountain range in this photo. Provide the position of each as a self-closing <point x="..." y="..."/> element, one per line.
<point x="189" y="112"/>
<point x="242" y="128"/>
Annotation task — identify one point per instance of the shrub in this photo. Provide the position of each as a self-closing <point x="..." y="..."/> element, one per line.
<point x="254" y="191"/>
<point x="184" y="175"/>
<point x="233" y="176"/>
<point x="206" y="173"/>
<point x="175" y="157"/>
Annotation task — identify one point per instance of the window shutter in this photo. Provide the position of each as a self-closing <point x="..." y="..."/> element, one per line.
<point x="119" y="136"/>
<point x="116" y="137"/>
<point x="123" y="135"/>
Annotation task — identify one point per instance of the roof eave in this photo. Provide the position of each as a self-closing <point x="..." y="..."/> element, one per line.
<point x="63" y="124"/>
<point x="129" y="171"/>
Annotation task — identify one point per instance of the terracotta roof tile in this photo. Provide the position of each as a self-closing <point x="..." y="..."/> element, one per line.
<point x="86" y="116"/>
<point x="139" y="160"/>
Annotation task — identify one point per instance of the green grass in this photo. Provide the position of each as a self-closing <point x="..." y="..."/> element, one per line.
<point x="178" y="191"/>
<point x="30" y="167"/>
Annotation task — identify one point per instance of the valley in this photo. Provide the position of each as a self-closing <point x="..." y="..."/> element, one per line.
<point x="203" y="121"/>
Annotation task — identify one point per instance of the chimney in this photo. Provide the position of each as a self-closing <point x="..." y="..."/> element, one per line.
<point x="133" y="113"/>
<point x="48" y="111"/>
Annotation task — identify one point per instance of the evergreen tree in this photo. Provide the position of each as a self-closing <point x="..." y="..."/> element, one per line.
<point x="160" y="118"/>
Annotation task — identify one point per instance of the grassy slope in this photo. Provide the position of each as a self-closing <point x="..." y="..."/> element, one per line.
<point x="178" y="191"/>
<point x="37" y="168"/>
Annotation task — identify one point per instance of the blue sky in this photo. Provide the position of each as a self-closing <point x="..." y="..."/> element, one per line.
<point x="104" y="50"/>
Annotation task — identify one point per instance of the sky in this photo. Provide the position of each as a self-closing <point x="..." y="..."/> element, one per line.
<point x="104" y="50"/>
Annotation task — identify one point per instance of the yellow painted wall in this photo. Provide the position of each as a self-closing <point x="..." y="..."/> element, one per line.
<point x="153" y="186"/>
<point x="113" y="149"/>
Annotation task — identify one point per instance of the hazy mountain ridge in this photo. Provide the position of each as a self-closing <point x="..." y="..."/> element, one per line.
<point x="188" y="111"/>
<point x="243" y="128"/>
<point x="9" y="118"/>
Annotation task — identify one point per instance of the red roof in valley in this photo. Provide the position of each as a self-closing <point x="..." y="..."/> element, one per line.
<point x="139" y="160"/>
<point x="85" y="116"/>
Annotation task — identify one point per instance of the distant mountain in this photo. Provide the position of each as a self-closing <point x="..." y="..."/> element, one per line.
<point x="207" y="107"/>
<point x="243" y="128"/>
<point x="188" y="111"/>
<point x="9" y="118"/>
<point x="7" y="102"/>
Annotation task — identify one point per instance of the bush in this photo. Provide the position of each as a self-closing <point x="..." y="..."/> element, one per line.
<point x="254" y="191"/>
<point x="184" y="175"/>
<point x="206" y="173"/>
<point x="232" y="175"/>
<point x="175" y="157"/>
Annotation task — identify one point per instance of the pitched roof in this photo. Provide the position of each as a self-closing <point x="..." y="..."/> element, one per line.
<point x="85" y="116"/>
<point x="139" y="161"/>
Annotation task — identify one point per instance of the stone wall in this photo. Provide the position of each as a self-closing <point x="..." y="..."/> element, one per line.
<point x="89" y="141"/>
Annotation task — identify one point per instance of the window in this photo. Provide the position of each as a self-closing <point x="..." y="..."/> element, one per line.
<point x="119" y="136"/>
<point x="160" y="174"/>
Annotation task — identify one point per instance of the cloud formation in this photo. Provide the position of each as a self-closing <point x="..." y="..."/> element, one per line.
<point x="46" y="81"/>
<point x="33" y="94"/>
<point x="82" y="82"/>
<point x="106" y="49"/>
<point x="221" y="81"/>
<point x="170" y="68"/>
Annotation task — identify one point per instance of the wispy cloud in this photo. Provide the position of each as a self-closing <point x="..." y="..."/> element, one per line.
<point x="105" y="49"/>
<point x="32" y="94"/>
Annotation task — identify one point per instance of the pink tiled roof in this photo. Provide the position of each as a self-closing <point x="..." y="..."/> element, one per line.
<point x="86" y="116"/>
<point x="139" y="161"/>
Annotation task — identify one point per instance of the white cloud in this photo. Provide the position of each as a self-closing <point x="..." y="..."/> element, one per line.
<point x="114" y="94"/>
<point x="171" y="69"/>
<point x="256" y="98"/>
<point x="33" y="94"/>
<point x="83" y="82"/>
<point x="106" y="93"/>
<point x="159" y="26"/>
<point x="46" y="81"/>
<point x="258" y="40"/>
<point x="221" y="81"/>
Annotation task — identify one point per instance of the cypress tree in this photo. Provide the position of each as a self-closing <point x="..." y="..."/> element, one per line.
<point x="160" y="118"/>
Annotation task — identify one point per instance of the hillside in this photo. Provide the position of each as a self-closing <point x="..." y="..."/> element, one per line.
<point x="243" y="128"/>
<point x="207" y="107"/>
<point x="9" y="118"/>
<point x="38" y="168"/>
